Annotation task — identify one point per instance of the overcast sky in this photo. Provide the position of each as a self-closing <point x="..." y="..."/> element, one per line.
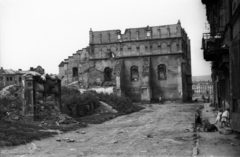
<point x="45" y="32"/>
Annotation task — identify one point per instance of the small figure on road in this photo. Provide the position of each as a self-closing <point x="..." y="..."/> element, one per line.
<point x="198" y="119"/>
<point x="203" y="98"/>
<point x="219" y="116"/>
<point x="207" y="126"/>
<point x="225" y="118"/>
<point x="160" y="100"/>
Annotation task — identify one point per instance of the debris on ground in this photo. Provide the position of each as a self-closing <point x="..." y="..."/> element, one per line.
<point x="47" y="117"/>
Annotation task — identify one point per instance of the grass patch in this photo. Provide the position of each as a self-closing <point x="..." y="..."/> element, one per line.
<point x="13" y="133"/>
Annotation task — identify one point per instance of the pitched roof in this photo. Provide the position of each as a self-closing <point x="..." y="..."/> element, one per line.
<point x="61" y="64"/>
<point x="9" y="71"/>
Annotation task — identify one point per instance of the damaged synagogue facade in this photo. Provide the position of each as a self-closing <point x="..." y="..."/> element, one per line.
<point x="221" y="46"/>
<point x="143" y="63"/>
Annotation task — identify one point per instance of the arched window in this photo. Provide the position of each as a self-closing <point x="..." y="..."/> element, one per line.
<point x="107" y="74"/>
<point x="134" y="74"/>
<point x="173" y="47"/>
<point x="74" y="71"/>
<point x="164" y="48"/>
<point x="162" y="72"/>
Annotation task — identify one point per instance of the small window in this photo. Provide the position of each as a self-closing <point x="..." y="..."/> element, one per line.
<point x="10" y="78"/>
<point x="134" y="74"/>
<point x="7" y="78"/>
<point x="74" y="71"/>
<point x="107" y="74"/>
<point x="20" y="79"/>
<point x="162" y="72"/>
<point x="1" y="78"/>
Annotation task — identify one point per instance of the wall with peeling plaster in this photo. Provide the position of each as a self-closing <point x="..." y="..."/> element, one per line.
<point x="145" y="48"/>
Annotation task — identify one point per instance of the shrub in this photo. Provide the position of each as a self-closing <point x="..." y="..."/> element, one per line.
<point x="122" y="104"/>
<point x="77" y="104"/>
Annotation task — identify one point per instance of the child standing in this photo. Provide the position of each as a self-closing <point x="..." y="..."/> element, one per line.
<point x="225" y="117"/>
<point x="219" y="116"/>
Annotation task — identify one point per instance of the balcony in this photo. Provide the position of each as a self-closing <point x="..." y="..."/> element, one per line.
<point x="211" y="46"/>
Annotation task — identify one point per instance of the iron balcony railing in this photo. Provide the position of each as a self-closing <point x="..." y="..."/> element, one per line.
<point x="208" y="37"/>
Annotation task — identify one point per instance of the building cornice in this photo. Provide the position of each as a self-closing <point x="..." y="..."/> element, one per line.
<point x="134" y="56"/>
<point x="138" y="40"/>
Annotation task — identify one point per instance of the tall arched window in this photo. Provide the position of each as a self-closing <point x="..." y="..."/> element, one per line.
<point x="162" y="72"/>
<point x="107" y="74"/>
<point x="74" y="71"/>
<point x="134" y="74"/>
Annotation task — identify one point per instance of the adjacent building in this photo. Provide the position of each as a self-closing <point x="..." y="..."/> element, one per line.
<point x="142" y="63"/>
<point x="221" y="46"/>
<point x="10" y="77"/>
<point x="202" y="87"/>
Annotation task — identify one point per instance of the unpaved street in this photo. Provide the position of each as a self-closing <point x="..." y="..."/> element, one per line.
<point x="164" y="130"/>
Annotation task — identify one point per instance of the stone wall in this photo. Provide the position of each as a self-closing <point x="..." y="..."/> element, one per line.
<point x="168" y="88"/>
<point x="146" y="48"/>
<point x="155" y="32"/>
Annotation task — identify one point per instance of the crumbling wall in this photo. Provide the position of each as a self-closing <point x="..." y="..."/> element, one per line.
<point x="168" y="89"/>
<point x="132" y="88"/>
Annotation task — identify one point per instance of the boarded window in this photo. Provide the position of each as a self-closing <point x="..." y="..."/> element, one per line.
<point x="107" y="74"/>
<point x="134" y="74"/>
<point x="162" y="72"/>
<point x="74" y="71"/>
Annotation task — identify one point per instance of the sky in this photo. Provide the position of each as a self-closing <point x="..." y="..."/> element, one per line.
<point x="45" y="32"/>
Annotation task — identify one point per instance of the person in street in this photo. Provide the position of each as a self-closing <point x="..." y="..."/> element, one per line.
<point x="208" y="98"/>
<point x="203" y="98"/>
<point x="198" y="119"/>
<point x="160" y="100"/>
<point x="225" y="118"/>
<point x="219" y="116"/>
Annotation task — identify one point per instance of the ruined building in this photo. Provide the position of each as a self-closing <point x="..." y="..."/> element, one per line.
<point x="142" y="63"/>
<point x="10" y="77"/>
<point x="221" y="46"/>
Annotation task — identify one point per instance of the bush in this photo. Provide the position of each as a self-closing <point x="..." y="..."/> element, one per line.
<point x="77" y="104"/>
<point x="122" y="104"/>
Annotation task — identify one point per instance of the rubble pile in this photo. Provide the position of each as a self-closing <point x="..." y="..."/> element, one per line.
<point x="45" y="113"/>
<point x="10" y="103"/>
<point x="54" y="117"/>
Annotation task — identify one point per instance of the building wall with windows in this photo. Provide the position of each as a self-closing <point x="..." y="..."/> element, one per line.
<point x="10" y="77"/>
<point x="202" y="87"/>
<point x="142" y="63"/>
<point x="221" y="46"/>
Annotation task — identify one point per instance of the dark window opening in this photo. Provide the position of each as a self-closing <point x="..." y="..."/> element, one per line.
<point x="75" y="71"/>
<point x="7" y="78"/>
<point x="162" y="72"/>
<point x="134" y="74"/>
<point x="1" y="78"/>
<point x="10" y="78"/>
<point x="20" y="79"/>
<point x="107" y="74"/>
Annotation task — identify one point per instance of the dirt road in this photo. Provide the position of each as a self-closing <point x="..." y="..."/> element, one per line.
<point x="164" y="130"/>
